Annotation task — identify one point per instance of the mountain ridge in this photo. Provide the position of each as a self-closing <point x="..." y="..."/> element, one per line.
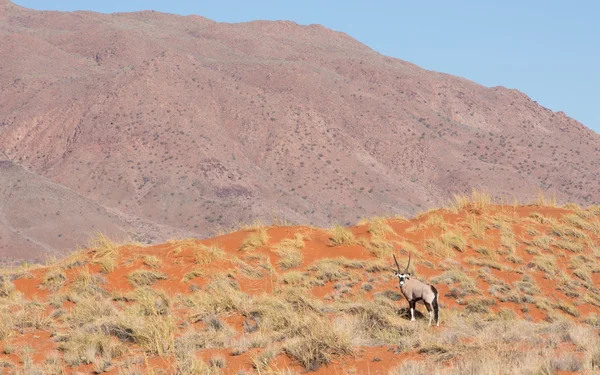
<point x="194" y="124"/>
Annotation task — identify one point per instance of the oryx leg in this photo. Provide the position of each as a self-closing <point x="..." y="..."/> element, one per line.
<point x="412" y="310"/>
<point x="430" y="310"/>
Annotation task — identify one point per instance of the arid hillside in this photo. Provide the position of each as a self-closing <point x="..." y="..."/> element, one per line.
<point x="197" y="125"/>
<point x="41" y="219"/>
<point x="518" y="290"/>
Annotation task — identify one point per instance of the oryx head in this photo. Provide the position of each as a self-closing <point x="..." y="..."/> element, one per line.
<point x="402" y="276"/>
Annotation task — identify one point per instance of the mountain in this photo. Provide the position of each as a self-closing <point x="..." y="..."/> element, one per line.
<point x="196" y="125"/>
<point x="39" y="218"/>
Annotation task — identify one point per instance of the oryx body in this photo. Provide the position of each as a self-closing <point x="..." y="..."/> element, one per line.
<point x="415" y="291"/>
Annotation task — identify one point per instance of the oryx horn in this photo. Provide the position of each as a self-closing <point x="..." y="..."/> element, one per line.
<point x="397" y="265"/>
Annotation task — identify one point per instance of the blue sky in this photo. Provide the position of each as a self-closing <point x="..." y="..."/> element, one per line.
<point x="548" y="49"/>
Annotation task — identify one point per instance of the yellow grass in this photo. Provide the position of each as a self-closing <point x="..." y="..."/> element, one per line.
<point x="208" y="254"/>
<point x="290" y="251"/>
<point x="380" y="227"/>
<point x="255" y="240"/>
<point x="105" y="252"/>
<point x="546" y="201"/>
<point x="477" y="201"/>
<point x="363" y="308"/>
<point x="477" y="226"/>
<point x="341" y="236"/>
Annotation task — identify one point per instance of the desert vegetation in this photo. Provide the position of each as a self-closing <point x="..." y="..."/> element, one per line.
<point x="517" y="283"/>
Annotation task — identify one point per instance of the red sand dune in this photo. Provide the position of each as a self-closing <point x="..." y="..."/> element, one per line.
<point x="533" y="266"/>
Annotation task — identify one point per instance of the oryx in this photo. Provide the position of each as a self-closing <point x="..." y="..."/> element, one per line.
<point x="415" y="290"/>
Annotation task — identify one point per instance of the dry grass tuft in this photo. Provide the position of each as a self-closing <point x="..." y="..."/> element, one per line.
<point x="255" y="240"/>
<point x="489" y="254"/>
<point x="540" y="218"/>
<point x="543" y="242"/>
<point x="563" y="230"/>
<point x="455" y="240"/>
<point x="545" y="264"/>
<point x="586" y="224"/>
<point x="380" y="247"/>
<point x="192" y="275"/>
<point x="208" y="254"/>
<point x="570" y="245"/>
<point x="290" y="252"/>
<point x="435" y="221"/>
<point x="545" y="201"/>
<point x="54" y="279"/>
<point x="478" y="201"/>
<point x="341" y="236"/>
<point x="140" y="278"/>
<point x="477" y="226"/>
<point x="379" y="227"/>
<point x="152" y="261"/>
<point x="247" y="270"/>
<point x="328" y="270"/>
<point x="437" y="247"/>
<point x="293" y="278"/>
<point x="567" y="308"/>
<point x="105" y="252"/>
<point x="316" y="342"/>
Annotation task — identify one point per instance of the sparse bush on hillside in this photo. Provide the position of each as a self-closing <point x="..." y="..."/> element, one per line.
<point x="508" y="240"/>
<point x="479" y="305"/>
<point x="532" y="250"/>
<point x="192" y="275"/>
<point x="7" y="288"/>
<point x="293" y="278"/>
<point x="86" y="284"/>
<point x="466" y="283"/>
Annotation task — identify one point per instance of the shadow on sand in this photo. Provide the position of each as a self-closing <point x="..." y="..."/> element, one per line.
<point x="405" y="313"/>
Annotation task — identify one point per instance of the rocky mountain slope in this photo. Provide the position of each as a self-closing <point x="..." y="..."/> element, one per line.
<point x="39" y="218"/>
